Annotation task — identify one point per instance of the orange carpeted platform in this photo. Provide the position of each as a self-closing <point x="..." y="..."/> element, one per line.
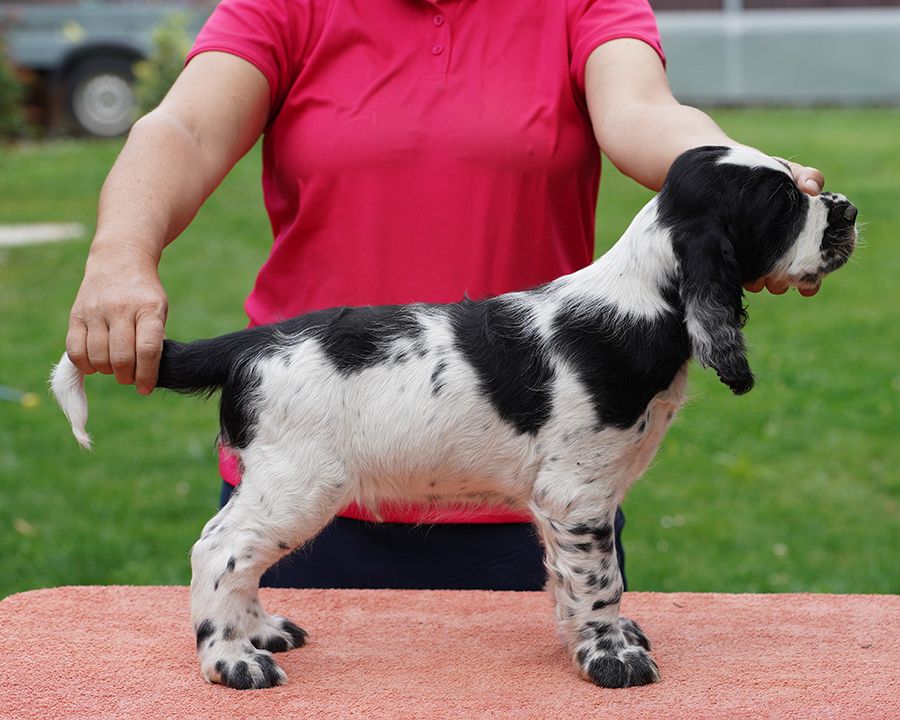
<point x="128" y="652"/>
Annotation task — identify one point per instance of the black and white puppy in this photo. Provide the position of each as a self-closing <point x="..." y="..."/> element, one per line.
<point x="553" y="399"/>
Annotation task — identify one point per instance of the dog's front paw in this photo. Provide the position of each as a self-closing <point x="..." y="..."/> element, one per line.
<point x="616" y="656"/>
<point x="241" y="666"/>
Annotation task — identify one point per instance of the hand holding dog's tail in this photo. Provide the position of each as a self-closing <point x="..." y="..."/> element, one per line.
<point x="200" y="367"/>
<point x="67" y="384"/>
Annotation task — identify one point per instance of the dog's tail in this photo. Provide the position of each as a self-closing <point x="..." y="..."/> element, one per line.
<point x="67" y="385"/>
<point x="200" y="367"/>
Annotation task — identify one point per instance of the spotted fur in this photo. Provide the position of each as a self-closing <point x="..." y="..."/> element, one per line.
<point x="553" y="399"/>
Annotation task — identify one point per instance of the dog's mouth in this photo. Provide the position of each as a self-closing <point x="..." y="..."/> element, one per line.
<point x="836" y="252"/>
<point x="838" y="248"/>
<point x="810" y="281"/>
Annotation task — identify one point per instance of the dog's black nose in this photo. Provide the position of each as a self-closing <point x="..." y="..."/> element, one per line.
<point x="842" y="215"/>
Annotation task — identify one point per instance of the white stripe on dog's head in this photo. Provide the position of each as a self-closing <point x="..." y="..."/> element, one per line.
<point x="748" y="157"/>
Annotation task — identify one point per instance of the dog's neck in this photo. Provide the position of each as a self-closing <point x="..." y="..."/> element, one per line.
<point x="633" y="274"/>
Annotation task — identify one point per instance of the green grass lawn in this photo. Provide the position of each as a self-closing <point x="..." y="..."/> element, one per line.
<point x="790" y="488"/>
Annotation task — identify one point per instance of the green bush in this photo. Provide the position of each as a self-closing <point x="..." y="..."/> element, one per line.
<point x="155" y="75"/>
<point x="12" y="113"/>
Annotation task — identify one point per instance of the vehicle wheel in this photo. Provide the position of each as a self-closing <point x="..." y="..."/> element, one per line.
<point x="100" y="96"/>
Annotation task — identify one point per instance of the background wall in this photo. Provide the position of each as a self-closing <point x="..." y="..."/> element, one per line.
<point x="785" y="52"/>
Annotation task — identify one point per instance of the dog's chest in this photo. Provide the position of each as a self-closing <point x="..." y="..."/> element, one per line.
<point x="652" y="427"/>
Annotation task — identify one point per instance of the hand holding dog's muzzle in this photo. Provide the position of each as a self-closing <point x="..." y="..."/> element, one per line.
<point x="809" y="180"/>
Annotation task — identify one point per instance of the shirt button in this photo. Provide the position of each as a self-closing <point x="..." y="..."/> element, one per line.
<point x="437" y="49"/>
<point x="438" y="20"/>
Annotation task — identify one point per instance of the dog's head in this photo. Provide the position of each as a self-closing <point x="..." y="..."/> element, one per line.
<point x="736" y="215"/>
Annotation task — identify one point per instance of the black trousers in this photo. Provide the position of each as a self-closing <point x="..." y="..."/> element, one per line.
<point x="446" y="556"/>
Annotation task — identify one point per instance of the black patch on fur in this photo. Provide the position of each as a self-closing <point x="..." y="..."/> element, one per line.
<point x="601" y="629"/>
<point x="600" y="532"/>
<point x="278" y="643"/>
<point x="633" y="633"/>
<point x="609" y="644"/>
<point x="604" y="538"/>
<point x="614" y="600"/>
<point x="357" y="338"/>
<point x="222" y="669"/>
<point x="231" y="562"/>
<point x="240" y="678"/>
<point x="274" y="644"/>
<point x="436" y="384"/>
<point x="205" y="630"/>
<point x="641" y="669"/>
<point x="511" y="360"/>
<point x="622" y="362"/>
<point x="608" y="672"/>
<point x="269" y="670"/>
<point x="299" y="636"/>
<point x="229" y="633"/>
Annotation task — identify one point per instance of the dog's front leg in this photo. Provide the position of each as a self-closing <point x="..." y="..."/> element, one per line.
<point x="583" y="575"/>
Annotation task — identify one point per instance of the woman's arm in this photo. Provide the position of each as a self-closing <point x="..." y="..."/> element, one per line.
<point x="642" y="128"/>
<point x="174" y="158"/>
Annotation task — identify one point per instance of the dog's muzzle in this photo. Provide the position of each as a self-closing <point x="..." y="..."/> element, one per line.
<point x="839" y="239"/>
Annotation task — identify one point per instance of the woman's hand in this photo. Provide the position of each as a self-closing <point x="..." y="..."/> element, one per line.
<point x="811" y="181"/>
<point x="174" y="157"/>
<point x="117" y="321"/>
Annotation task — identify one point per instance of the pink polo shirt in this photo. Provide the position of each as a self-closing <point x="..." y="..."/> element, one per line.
<point x="418" y="150"/>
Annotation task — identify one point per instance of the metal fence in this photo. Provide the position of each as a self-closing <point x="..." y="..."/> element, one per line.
<point x="786" y="52"/>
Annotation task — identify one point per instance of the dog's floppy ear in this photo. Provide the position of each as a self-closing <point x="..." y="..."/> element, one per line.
<point x="712" y="294"/>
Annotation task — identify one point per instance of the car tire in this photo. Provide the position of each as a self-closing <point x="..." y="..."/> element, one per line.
<point x="100" y="96"/>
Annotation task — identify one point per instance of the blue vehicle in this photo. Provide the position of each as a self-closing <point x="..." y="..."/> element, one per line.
<point x="81" y="54"/>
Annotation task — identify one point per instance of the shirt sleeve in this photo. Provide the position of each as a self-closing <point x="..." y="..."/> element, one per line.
<point x="272" y="35"/>
<point x="594" y="22"/>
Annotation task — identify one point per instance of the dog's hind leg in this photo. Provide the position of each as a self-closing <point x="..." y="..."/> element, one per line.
<point x="275" y="509"/>
<point x="583" y="575"/>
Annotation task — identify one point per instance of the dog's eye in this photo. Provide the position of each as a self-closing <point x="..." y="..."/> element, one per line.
<point x="793" y="194"/>
<point x="788" y="195"/>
